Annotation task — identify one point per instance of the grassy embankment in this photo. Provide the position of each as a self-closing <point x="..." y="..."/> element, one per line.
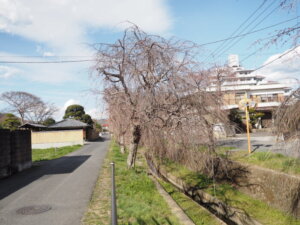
<point x="231" y="196"/>
<point x="269" y="160"/>
<point x="52" y="153"/>
<point x="138" y="201"/>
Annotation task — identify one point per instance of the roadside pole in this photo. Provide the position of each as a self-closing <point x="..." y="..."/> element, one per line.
<point x="114" y="220"/>
<point x="248" y="129"/>
<point x="245" y="104"/>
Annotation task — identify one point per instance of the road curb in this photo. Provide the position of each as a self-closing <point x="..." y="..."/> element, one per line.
<point x="175" y="208"/>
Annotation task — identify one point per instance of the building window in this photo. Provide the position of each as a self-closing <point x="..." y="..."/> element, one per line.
<point x="269" y="98"/>
<point x="275" y="98"/>
<point x="239" y="96"/>
<point x="264" y="98"/>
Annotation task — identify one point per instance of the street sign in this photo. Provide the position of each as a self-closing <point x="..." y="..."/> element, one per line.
<point x="246" y="104"/>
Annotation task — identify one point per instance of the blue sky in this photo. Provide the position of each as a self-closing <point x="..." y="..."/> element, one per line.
<point x="45" y="30"/>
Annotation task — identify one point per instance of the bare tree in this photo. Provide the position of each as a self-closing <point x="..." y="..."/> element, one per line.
<point x="287" y="116"/>
<point x="118" y="112"/>
<point x="28" y="106"/>
<point x="140" y="67"/>
<point x="41" y="112"/>
<point x="287" y="35"/>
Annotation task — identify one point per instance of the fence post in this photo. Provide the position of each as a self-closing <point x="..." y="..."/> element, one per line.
<point x="114" y="220"/>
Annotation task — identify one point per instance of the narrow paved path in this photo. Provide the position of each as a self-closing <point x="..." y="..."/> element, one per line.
<point x="65" y="185"/>
<point x="259" y="142"/>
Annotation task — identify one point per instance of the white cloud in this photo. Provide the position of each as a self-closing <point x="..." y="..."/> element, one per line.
<point x="45" y="72"/>
<point x="95" y="113"/>
<point x="61" y="27"/>
<point x="285" y="68"/>
<point x="61" y="112"/>
<point x="48" y="54"/>
<point x="70" y="102"/>
<point x="7" y="72"/>
<point x="63" y="24"/>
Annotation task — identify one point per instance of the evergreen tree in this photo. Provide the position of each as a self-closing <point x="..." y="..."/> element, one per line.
<point x="49" y="121"/>
<point x="11" y="122"/>
<point x="77" y="112"/>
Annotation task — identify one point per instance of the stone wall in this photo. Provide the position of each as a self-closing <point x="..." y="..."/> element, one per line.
<point x="15" y="151"/>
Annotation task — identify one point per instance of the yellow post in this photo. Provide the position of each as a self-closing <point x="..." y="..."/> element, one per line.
<point x="248" y="130"/>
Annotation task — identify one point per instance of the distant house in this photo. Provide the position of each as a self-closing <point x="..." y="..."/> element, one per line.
<point x="69" y="124"/>
<point x="63" y="133"/>
<point x="33" y="126"/>
<point x="104" y="124"/>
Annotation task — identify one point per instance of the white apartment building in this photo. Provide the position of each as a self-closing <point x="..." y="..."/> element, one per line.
<point x="267" y="94"/>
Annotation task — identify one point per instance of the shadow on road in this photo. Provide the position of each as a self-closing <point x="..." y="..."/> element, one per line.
<point x="100" y="139"/>
<point x="66" y="164"/>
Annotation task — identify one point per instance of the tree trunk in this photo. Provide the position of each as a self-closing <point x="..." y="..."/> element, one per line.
<point x="136" y="136"/>
<point x="122" y="144"/>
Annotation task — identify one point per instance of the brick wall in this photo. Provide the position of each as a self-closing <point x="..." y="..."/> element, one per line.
<point x="15" y="151"/>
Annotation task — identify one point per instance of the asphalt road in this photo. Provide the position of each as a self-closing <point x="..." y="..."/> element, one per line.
<point x="62" y="186"/>
<point x="259" y="142"/>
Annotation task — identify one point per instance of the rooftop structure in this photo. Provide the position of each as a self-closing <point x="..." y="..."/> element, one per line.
<point x="66" y="124"/>
<point x="33" y="126"/>
<point x="69" y="124"/>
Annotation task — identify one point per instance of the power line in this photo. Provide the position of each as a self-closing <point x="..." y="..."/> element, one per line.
<point x="237" y="41"/>
<point x="89" y="60"/>
<point x="248" y="33"/>
<point x="200" y="45"/>
<point x="46" y="57"/>
<point x="49" y="62"/>
<point x="220" y="46"/>
<point x="274" y="60"/>
<point x="258" y="50"/>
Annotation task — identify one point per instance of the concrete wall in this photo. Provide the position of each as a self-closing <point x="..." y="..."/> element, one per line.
<point x="48" y="139"/>
<point x="278" y="189"/>
<point x="15" y="151"/>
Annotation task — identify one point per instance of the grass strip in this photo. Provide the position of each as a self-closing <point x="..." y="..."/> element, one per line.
<point x="257" y="209"/>
<point x="269" y="160"/>
<point x="138" y="201"/>
<point x="52" y="153"/>
<point x="199" y="215"/>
